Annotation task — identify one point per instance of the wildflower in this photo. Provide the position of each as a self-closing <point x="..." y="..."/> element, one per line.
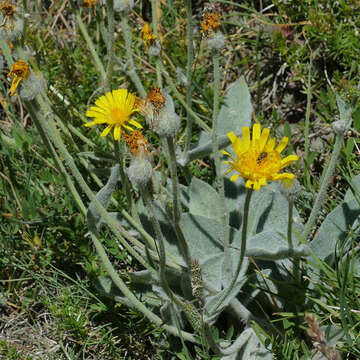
<point x="147" y="36"/>
<point x="136" y="142"/>
<point x="210" y="24"/>
<point x="89" y="3"/>
<point x="257" y="159"/>
<point x="9" y="11"/>
<point x="21" y="70"/>
<point x="115" y="109"/>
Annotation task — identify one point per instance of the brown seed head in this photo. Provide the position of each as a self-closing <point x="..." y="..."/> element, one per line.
<point x="210" y="24"/>
<point x="156" y="98"/>
<point x="136" y="142"/>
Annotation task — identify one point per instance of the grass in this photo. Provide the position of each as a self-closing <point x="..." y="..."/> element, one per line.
<point x="49" y="305"/>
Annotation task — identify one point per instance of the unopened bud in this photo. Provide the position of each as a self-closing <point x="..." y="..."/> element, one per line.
<point x="32" y="85"/>
<point x="291" y="189"/>
<point x="140" y="171"/>
<point x="216" y="41"/>
<point x="339" y="127"/>
<point x="123" y="5"/>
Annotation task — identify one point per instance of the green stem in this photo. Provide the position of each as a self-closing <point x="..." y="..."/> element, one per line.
<point x="307" y="124"/>
<point x="159" y="236"/>
<point x="50" y="129"/>
<point x="321" y="196"/>
<point x="200" y="122"/>
<point x="176" y="201"/>
<point x="132" y="72"/>
<point x="220" y="179"/>
<point x="91" y="47"/>
<point x="189" y="65"/>
<point x="242" y="249"/>
<point x="34" y="116"/>
<point x="156" y="32"/>
<point x="110" y="43"/>
<point x="137" y="304"/>
<point x="296" y="264"/>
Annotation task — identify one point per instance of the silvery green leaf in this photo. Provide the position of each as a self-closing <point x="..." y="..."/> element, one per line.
<point x="107" y="288"/>
<point x="237" y="109"/>
<point x="211" y="270"/>
<point x="171" y="242"/>
<point x="211" y="303"/>
<point x="355" y="182"/>
<point x="233" y="116"/>
<point x="98" y="156"/>
<point x="204" y="200"/>
<point x="344" y="110"/>
<point x="202" y="235"/>
<point x="103" y="196"/>
<point x="334" y="230"/>
<point x="270" y="245"/>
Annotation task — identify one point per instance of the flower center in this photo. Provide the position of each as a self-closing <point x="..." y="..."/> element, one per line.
<point x="119" y="116"/>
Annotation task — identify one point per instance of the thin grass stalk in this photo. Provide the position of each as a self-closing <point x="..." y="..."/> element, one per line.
<point x="110" y="44"/>
<point x="220" y="179"/>
<point x="34" y="116"/>
<point x="176" y="93"/>
<point x="321" y="196"/>
<point x="91" y="47"/>
<point x="189" y="65"/>
<point x="53" y="134"/>
<point x="132" y="72"/>
<point x="155" y="26"/>
<point x="307" y="124"/>
<point x="176" y="201"/>
<point x="137" y="304"/>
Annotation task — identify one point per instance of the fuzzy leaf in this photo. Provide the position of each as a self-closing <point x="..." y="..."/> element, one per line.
<point x="334" y="230"/>
<point x="270" y="245"/>
<point x="204" y="200"/>
<point x="237" y="110"/>
<point x="233" y="116"/>
<point x="202" y="235"/>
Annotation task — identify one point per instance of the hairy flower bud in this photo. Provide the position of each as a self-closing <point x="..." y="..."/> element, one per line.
<point x="140" y="171"/>
<point x="216" y="42"/>
<point x="193" y="316"/>
<point x="339" y="127"/>
<point x="123" y="5"/>
<point x="32" y="85"/>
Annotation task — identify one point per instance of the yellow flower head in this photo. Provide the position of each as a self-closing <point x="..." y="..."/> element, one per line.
<point x="9" y="11"/>
<point x="257" y="159"/>
<point x="115" y="109"/>
<point x="147" y="36"/>
<point x="21" y="70"/>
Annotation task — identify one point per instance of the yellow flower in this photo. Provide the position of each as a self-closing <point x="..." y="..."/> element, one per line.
<point x="257" y="159"/>
<point x="147" y="36"/>
<point x="114" y="108"/>
<point x="21" y="70"/>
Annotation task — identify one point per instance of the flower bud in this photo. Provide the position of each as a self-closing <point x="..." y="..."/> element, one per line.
<point x="32" y="85"/>
<point x="123" y="5"/>
<point x="155" y="49"/>
<point x="339" y="127"/>
<point x="216" y="42"/>
<point x="291" y="190"/>
<point x="140" y="171"/>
